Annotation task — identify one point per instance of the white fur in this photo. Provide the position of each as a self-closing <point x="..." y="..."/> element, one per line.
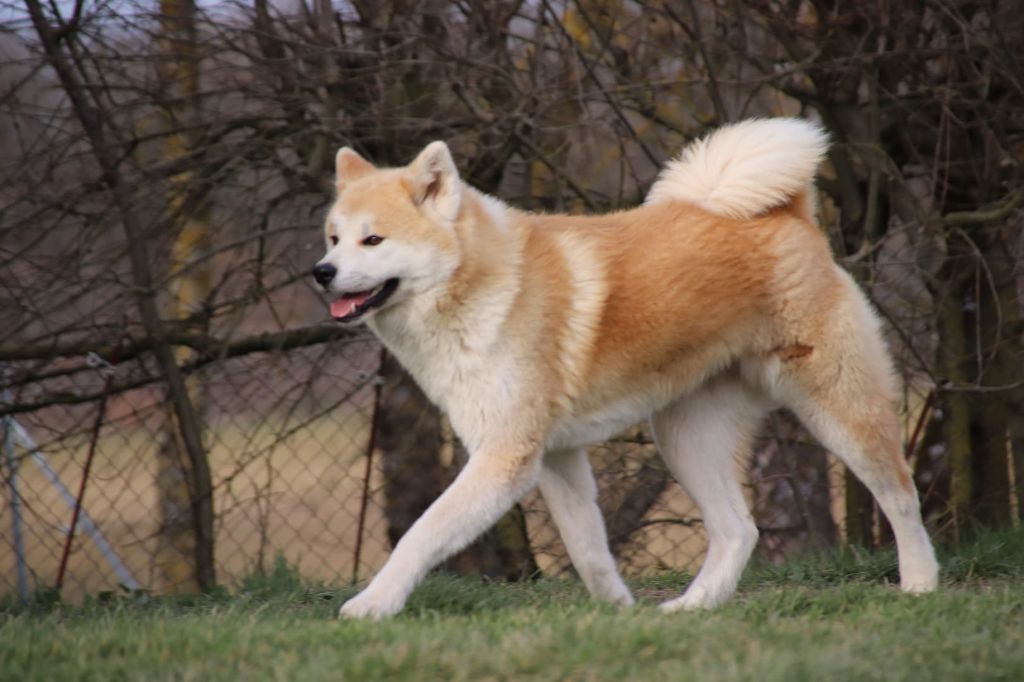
<point x="589" y="291"/>
<point x="701" y="438"/>
<point x="474" y="365"/>
<point x="497" y="210"/>
<point x="568" y="486"/>
<point x="742" y="170"/>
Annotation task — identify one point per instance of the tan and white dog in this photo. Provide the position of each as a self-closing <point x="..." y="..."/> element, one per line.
<point x="711" y="304"/>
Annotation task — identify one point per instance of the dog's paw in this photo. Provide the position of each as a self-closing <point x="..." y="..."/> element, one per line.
<point x="693" y="600"/>
<point x="608" y="587"/>
<point x="922" y="584"/>
<point x="919" y="571"/>
<point x="625" y="600"/>
<point x="368" y="605"/>
<point x="681" y="604"/>
<point x="620" y="597"/>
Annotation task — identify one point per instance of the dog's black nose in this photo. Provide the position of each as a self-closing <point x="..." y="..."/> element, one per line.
<point x="323" y="273"/>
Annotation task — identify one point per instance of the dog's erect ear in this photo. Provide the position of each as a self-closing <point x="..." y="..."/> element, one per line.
<point x="349" y="166"/>
<point x="434" y="180"/>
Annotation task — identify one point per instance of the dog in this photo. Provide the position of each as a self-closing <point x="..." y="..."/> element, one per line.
<point x="712" y="303"/>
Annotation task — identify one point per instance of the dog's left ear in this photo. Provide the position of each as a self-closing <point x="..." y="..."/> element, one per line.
<point x="349" y="166"/>
<point x="434" y="180"/>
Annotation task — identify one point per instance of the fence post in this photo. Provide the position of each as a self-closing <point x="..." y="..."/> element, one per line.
<point x="12" y="484"/>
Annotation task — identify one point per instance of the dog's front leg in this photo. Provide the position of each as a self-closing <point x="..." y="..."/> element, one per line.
<point x="491" y="482"/>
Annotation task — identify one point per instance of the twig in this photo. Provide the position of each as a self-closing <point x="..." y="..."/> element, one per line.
<point x="987" y="215"/>
<point x="371" y="443"/>
<point x="101" y="411"/>
<point x="204" y="344"/>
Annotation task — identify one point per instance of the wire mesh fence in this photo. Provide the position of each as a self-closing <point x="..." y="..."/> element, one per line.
<point x="288" y="436"/>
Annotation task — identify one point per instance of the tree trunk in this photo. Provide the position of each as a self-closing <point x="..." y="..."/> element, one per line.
<point x="859" y="510"/>
<point x="792" y="504"/>
<point x="93" y="118"/>
<point x="634" y="494"/>
<point x="956" y="420"/>
<point x="991" y="467"/>
<point x="999" y="319"/>
<point x="409" y="438"/>
<point x="1016" y="434"/>
<point x="188" y="212"/>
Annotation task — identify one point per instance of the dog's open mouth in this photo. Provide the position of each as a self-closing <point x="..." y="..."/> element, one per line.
<point x="355" y="304"/>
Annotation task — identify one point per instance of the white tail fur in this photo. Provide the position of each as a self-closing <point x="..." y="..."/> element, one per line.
<point x="744" y="169"/>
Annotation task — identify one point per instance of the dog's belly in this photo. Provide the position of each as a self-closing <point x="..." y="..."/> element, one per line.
<point x="594" y="424"/>
<point x="599" y="425"/>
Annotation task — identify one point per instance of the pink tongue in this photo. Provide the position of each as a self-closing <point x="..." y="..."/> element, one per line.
<point x="345" y="306"/>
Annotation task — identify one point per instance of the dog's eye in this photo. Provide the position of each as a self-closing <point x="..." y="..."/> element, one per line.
<point x="334" y="240"/>
<point x="372" y="240"/>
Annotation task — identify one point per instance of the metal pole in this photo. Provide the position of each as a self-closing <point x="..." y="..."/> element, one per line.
<point x="12" y="484"/>
<point x="89" y="526"/>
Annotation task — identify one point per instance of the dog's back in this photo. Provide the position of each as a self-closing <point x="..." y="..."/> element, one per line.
<point x="723" y="262"/>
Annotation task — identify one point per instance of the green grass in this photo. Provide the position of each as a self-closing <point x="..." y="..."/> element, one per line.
<point x="834" y="617"/>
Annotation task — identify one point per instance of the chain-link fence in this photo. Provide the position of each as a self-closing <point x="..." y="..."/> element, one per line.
<point x="294" y="478"/>
<point x="286" y="436"/>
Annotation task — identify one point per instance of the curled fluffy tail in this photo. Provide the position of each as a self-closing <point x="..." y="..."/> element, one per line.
<point x="745" y="169"/>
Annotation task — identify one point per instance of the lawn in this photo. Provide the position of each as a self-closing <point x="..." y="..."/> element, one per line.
<point x="833" y="617"/>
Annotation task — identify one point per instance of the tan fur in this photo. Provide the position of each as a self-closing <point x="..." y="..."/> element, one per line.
<point x="543" y="333"/>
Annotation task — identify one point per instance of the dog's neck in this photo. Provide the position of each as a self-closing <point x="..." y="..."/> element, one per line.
<point x="470" y="311"/>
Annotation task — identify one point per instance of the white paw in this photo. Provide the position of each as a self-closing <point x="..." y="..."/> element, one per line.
<point x="621" y="597"/>
<point x="625" y="599"/>
<point x="919" y="584"/>
<point x="370" y="605"/>
<point x="924" y="577"/>
<point x="612" y="590"/>
<point x="693" y="600"/>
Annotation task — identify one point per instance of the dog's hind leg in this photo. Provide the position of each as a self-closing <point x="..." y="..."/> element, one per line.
<point x="567" y="483"/>
<point x="868" y="441"/>
<point x="843" y="391"/>
<point x="701" y="436"/>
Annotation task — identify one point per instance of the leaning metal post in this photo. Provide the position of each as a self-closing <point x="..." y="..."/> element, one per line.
<point x="89" y="526"/>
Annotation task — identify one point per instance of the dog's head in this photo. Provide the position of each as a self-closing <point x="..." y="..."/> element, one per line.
<point x="390" y="234"/>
